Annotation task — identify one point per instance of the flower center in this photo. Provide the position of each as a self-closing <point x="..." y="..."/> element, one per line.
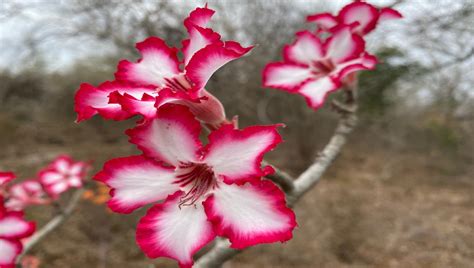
<point x="324" y="66"/>
<point x="178" y="83"/>
<point x="197" y="180"/>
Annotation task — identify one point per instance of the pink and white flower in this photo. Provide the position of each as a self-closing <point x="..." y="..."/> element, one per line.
<point x="362" y="17"/>
<point x="314" y="68"/>
<point x="6" y="177"/>
<point x="24" y="194"/>
<point x="160" y="69"/>
<point x="204" y="191"/>
<point x="62" y="174"/>
<point x="90" y="100"/>
<point x="12" y="228"/>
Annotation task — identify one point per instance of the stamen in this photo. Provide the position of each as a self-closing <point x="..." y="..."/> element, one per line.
<point x="324" y="66"/>
<point x="178" y="83"/>
<point x="200" y="177"/>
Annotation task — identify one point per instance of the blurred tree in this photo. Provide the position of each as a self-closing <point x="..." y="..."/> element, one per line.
<point x="377" y="86"/>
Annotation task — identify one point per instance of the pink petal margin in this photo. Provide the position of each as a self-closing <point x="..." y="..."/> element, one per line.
<point x="224" y="143"/>
<point x="6" y="177"/>
<point x="29" y="227"/>
<point x="157" y="138"/>
<point x="270" y="193"/>
<point x="111" y="171"/>
<point x="150" y="240"/>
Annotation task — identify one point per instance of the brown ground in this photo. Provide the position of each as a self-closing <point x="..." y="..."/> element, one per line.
<point x="374" y="208"/>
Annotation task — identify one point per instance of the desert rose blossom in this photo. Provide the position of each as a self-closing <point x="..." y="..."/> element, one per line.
<point x="12" y="228"/>
<point x="6" y="177"/>
<point x="314" y="68"/>
<point x="62" y="174"/>
<point x="24" y="194"/>
<point x="159" y="77"/>
<point x="204" y="191"/>
<point x="362" y="18"/>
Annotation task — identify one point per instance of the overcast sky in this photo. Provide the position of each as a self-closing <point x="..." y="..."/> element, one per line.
<point x="43" y="14"/>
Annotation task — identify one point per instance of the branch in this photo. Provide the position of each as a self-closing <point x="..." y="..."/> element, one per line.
<point x="313" y="174"/>
<point x="281" y="178"/>
<point x="220" y="253"/>
<point x="52" y="224"/>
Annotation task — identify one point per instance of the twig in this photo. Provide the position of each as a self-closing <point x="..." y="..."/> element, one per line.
<point x="52" y="224"/>
<point x="313" y="173"/>
<point x="220" y="253"/>
<point x="281" y="178"/>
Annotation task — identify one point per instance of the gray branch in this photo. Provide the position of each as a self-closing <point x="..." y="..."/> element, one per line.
<point x="52" y="224"/>
<point x="313" y="173"/>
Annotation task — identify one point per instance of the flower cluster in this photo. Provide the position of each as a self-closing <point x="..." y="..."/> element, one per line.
<point x="160" y="77"/>
<point x="62" y="174"/>
<point x="13" y="227"/>
<point x="198" y="191"/>
<point x="314" y="66"/>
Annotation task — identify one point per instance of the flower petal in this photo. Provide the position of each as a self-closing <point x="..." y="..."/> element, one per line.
<point x="78" y="168"/>
<point x="206" y="108"/>
<point x="144" y="106"/>
<point x="389" y="14"/>
<point x="315" y="91"/>
<point x="136" y="181"/>
<point x="25" y="193"/>
<point x="250" y="214"/>
<point x="209" y="59"/>
<point x="324" y="21"/>
<point x="362" y="13"/>
<point x="90" y="100"/>
<point x="172" y="136"/>
<point x="286" y="76"/>
<point x="75" y="181"/>
<point x="306" y="49"/>
<point x="199" y="38"/>
<point x="13" y="226"/>
<point x="199" y="16"/>
<point x="49" y="177"/>
<point x="343" y="45"/>
<point x="365" y="62"/>
<point x="6" y="177"/>
<point x="236" y="155"/>
<point x="177" y="233"/>
<point x="209" y="110"/>
<point x="199" y="35"/>
<point x="9" y="249"/>
<point x="62" y="164"/>
<point x="157" y="63"/>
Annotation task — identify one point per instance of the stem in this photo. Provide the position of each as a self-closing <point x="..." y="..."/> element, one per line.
<point x="281" y="178"/>
<point x="313" y="173"/>
<point x="220" y="253"/>
<point x="54" y="223"/>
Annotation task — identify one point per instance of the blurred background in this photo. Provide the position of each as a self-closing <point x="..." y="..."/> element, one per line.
<point x="400" y="195"/>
